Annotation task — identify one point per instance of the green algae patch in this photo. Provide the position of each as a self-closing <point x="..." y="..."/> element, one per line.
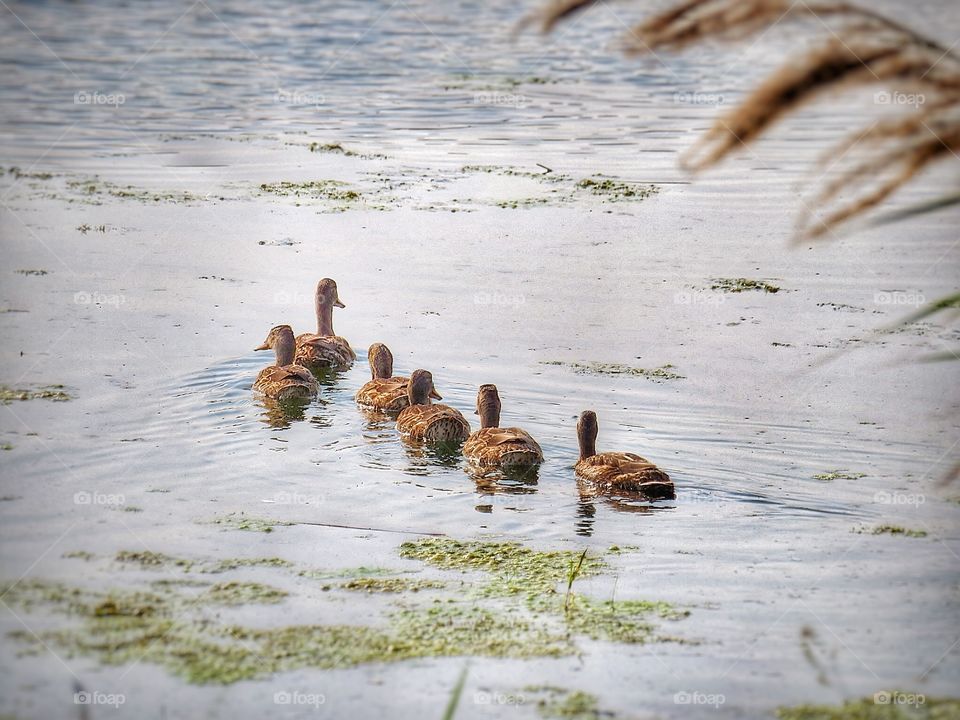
<point x="839" y="475"/>
<point x="884" y="705"/>
<point x="242" y="521"/>
<point x="78" y="555"/>
<point x="560" y="704"/>
<point x="514" y="568"/>
<point x="244" y="593"/>
<point x="739" y="285"/>
<point x="339" y="149"/>
<point x="329" y="190"/>
<point x="893" y="530"/>
<point x="56" y="393"/>
<point x="525" y="607"/>
<point x="152" y="560"/>
<point x="623" y="621"/>
<point x="659" y="374"/>
<point x="390" y="585"/>
<point x="235" y="563"/>
<point x="616" y="191"/>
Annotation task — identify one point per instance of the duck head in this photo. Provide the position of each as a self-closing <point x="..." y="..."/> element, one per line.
<point x="327" y="299"/>
<point x="281" y="341"/>
<point x="587" y="429"/>
<point x="420" y="388"/>
<point x="381" y="361"/>
<point x="488" y="406"/>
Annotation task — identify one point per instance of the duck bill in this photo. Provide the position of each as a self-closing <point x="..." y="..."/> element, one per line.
<point x="337" y="303"/>
<point x="435" y="395"/>
<point x="262" y="347"/>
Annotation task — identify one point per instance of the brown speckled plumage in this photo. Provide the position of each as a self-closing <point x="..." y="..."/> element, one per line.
<point x="616" y="473"/>
<point x="384" y="391"/>
<point x="493" y="446"/>
<point x="424" y="422"/>
<point x="284" y="380"/>
<point x="324" y="349"/>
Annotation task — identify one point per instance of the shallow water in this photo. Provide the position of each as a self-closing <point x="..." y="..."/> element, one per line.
<point x="150" y="325"/>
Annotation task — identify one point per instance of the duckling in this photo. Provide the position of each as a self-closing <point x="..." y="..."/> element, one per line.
<point x="385" y="391"/>
<point x="492" y="445"/>
<point x="324" y="349"/>
<point x="284" y="380"/>
<point x="423" y="422"/>
<point x="616" y="473"/>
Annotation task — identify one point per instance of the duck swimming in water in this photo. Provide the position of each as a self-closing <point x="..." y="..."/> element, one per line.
<point x="494" y="446"/>
<point x="284" y="380"/>
<point x="324" y="349"/>
<point x="616" y="473"/>
<point x="422" y="421"/>
<point x="385" y="391"/>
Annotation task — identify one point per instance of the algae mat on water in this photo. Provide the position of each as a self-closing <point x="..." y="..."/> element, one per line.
<point x="525" y="608"/>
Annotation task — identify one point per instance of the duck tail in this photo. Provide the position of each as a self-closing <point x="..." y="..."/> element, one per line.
<point x="518" y="458"/>
<point x="446" y="429"/>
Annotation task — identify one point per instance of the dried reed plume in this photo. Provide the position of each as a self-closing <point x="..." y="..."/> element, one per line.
<point x="862" y="48"/>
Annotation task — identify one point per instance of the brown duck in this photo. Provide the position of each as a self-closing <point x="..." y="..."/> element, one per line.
<point x="616" y="473"/>
<point x="324" y="349"/>
<point x="422" y="421"/>
<point x="384" y="391"/>
<point x="494" y="446"/>
<point x="284" y="380"/>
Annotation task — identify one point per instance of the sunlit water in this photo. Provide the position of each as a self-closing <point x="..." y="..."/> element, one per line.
<point x="219" y="98"/>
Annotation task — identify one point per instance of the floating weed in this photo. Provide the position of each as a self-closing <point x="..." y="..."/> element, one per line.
<point x="892" y="530"/>
<point x="664" y="372"/>
<point x="839" y="475"/>
<point x="390" y="585"/>
<point x="242" y="521"/>
<point x="614" y="191"/>
<point x="333" y="190"/>
<point x="244" y="593"/>
<point x="78" y="555"/>
<point x="338" y="148"/>
<point x="6" y="446"/>
<point x="56" y="393"/>
<point x="739" y="285"/>
<point x="234" y="563"/>
<point x="515" y="569"/>
<point x="522" y="615"/>
<point x="565" y="704"/>
<point x="32" y="272"/>
<point x="93" y="189"/>
<point x="885" y="705"/>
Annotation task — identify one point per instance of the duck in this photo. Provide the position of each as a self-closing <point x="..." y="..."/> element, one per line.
<point x="421" y="421"/>
<point x="616" y="473"/>
<point x="385" y="391"/>
<point x="494" y="446"/>
<point x="284" y="380"/>
<point x="324" y="349"/>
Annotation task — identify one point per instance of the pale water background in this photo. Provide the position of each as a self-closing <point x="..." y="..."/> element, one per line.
<point x="221" y="97"/>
